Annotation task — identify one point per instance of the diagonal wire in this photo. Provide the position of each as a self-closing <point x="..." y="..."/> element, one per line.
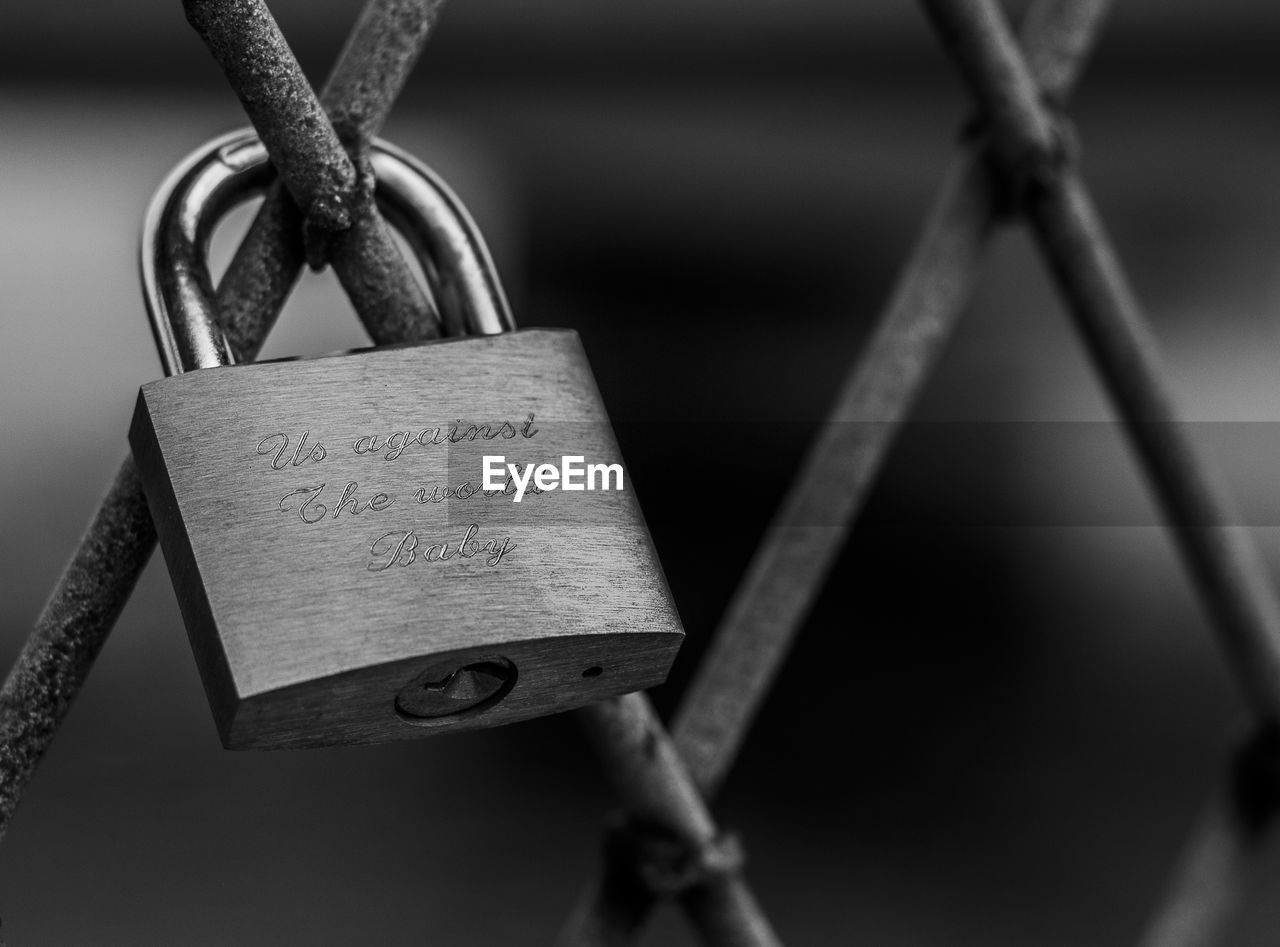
<point x="366" y="80"/>
<point x="1224" y="849"/>
<point x="256" y="67"/>
<point x="69" y="633"/>
<point x="782" y="580"/>
<point x="641" y="761"/>
<point x="1231" y="573"/>
<point x="56" y="657"/>
<point x="341" y="223"/>
<point x="785" y="575"/>
<point x="1220" y="552"/>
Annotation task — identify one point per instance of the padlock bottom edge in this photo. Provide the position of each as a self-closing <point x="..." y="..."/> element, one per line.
<point x="549" y="675"/>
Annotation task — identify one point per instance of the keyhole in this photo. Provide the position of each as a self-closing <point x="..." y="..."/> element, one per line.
<point x="443" y="691"/>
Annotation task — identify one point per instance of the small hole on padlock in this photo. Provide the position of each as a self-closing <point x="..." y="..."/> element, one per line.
<point x="593" y="671"/>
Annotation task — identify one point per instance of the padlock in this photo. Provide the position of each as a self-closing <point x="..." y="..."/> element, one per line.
<point x="352" y="560"/>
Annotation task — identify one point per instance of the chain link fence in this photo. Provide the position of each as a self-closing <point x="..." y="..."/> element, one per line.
<point x="1017" y="159"/>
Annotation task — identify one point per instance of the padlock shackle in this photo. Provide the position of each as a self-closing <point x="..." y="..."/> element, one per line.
<point x="230" y="169"/>
<point x="445" y="240"/>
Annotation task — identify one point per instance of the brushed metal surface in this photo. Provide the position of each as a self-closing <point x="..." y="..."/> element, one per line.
<point x="308" y="615"/>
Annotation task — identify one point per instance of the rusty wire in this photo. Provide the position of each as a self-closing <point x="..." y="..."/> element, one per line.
<point x="789" y="566"/>
<point x="85" y="604"/>
<point x="616" y="727"/>
<point x="1224" y="848"/>
<point x="934" y="285"/>
<point x="1024" y="135"/>
<point x="670" y="844"/>
<point x="662" y="800"/>
<point x="365" y="82"/>
<point x="252" y="292"/>
<point x="56" y="657"/>
<point x="341" y="223"/>
<point x="1028" y="140"/>
<point x="1230" y="572"/>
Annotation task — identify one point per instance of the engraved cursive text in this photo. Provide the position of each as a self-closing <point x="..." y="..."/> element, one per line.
<point x="280" y="443"/>
<point x="400" y="548"/>
<point x="393" y="445"/>
<point x="311" y="510"/>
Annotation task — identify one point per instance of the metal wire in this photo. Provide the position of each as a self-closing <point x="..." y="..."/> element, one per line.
<point x="358" y="95"/>
<point x="786" y="573"/>
<point x="1225" y="847"/>
<point x="669" y="844"/>
<point x="341" y="223"/>
<point x="69" y="633"/>
<point x="789" y="567"/>
<point x="1221" y="554"/>
<point x="248" y="45"/>
<point x="1231" y="574"/>
<point x="84" y="606"/>
<point x="641" y="761"/>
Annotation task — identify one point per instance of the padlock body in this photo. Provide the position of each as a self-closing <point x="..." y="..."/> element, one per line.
<point x="334" y="548"/>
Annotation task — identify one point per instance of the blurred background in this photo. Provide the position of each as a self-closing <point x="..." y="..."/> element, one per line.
<point x="1006" y="708"/>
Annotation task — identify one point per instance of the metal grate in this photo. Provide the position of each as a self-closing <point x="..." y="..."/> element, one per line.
<point x="1016" y="159"/>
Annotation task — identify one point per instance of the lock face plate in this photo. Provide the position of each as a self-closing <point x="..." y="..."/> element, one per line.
<point x="320" y="577"/>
